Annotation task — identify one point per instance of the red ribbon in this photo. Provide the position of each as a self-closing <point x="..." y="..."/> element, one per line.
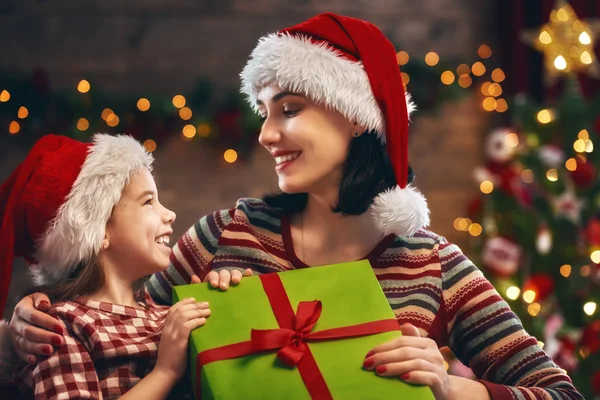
<point x="290" y="340"/>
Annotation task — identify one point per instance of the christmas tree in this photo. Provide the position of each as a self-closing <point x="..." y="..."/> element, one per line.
<point x="536" y="226"/>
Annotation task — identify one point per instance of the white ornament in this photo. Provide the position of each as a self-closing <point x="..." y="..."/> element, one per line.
<point x="498" y="148"/>
<point x="568" y="206"/>
<point x="551" y="156"/>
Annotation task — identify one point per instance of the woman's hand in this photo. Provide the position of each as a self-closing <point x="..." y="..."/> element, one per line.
<point x="33" y="331"/>
<point x="183" y="318"/>
<point x="223" y="278"/>
<point x="414" y="359"/>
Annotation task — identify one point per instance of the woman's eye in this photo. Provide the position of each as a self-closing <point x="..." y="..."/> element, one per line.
<point x="149" y="202"/>
<point x="290" y="113"/>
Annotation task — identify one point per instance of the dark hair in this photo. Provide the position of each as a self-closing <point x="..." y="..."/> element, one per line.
<point x="367" y="172"/>
<point x="87" y="278"/>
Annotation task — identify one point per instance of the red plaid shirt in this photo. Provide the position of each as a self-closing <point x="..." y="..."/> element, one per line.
<point x="108" y="349"/>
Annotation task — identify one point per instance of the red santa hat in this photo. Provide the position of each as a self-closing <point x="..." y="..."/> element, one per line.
<point x="350" y="66"/>
<point x="56" y="204"/>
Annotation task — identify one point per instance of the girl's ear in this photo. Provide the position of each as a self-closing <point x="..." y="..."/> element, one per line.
<point x="105" y="242"/>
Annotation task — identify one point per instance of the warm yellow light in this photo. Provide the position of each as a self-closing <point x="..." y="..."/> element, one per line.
<point x="447" y="77"/>
<point x="23" y="112"/>
<point x="545" y="37"/>
<point x="589" y="308"/>
<point x="203" y="130"/>
<point x="189" y="131"/>
<point x="185" y="113"/>
<point x="461" y="224"/>
<point x="405" y="78"/>
<point x="552" y="175"/>
<point x="565" y="270"/>
<point x="579" y="146"/>
<point x="179" y="101"/>
<point x="595" y="257"/>
<point x="464" y="81"/>
<point x="83" y="124"/>
<point x="545" y="116"/>
<point x="562" y="15"/>
<point x="4" y="96"/>
<point x="150" y="145"/>
<point x="513" y="292"/>
<point x="432" y="59"/>
<point x="498" y="75"/>
<point x="527" y="176"/>
<point x="478" y="68"/>
<point x="106" y="113"/>
<point x="532" y="140"/>
<point x="489" y="104"/>
<point x="402" y="57"/>
<point x="529" y="296"/>
<point x="84" y="86"/>
<point x="512" y="140"/>
<point x="486" y="187"/>
<point x="534" y="309"/>
<point x="112" y="120"/>
<point x="501" y="105"/>
<point x="14" y="127"/>
<point x="585" y="271"/>
<point x="560" y="63"/>
<point x="495" y="89"/>
<point x="586" y="57"/>
<point x="475" y="230"/>
<point x="230" y="156"/>
<point x="484" y="51"/>
<point x="463" y="69"/>
<point x="571" y="164"/>
<point x="584" y="38"/>
<point x="583" y="135"/>
<point x="589" y="146"/>
<point x="143" y="104"/>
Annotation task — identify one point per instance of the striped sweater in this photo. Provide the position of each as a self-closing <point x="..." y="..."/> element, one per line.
<point x="427" y="281"/>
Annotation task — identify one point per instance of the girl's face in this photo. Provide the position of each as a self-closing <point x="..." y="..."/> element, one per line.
<point x="139" y="230"/>
<point x="308" y="141"/>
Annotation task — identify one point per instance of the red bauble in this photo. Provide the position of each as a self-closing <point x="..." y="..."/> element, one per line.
<point x="542" y="284"/>
<point x="584" y="175"/>
<point x="591" y="337"/>
<point x="596" y="382"/>
<point x="592" y="232"/>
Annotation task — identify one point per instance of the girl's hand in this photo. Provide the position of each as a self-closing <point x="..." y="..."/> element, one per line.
<point x="223" y="278"/>
<point x="414" y="359"/>
<point x="183" y="318"/>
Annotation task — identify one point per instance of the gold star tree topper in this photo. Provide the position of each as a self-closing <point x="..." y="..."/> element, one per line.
<point x="567" y="43"/>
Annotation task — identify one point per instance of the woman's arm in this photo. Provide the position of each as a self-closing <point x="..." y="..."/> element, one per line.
<point x="487" y="336"/>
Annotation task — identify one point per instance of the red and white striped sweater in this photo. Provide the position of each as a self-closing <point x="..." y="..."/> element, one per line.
<point x="427" y="281"/>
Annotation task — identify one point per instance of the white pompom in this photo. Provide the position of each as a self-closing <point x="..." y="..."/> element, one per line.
<point x="401" y="211"/>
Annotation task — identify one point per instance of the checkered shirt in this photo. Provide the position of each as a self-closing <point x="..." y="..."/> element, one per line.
<point x="108" y="349"/>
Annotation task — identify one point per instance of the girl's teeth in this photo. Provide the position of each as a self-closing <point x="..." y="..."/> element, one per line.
<point x="288" y="157"/>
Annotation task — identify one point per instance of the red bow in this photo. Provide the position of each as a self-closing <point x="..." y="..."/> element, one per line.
<point x="290" y="342"/>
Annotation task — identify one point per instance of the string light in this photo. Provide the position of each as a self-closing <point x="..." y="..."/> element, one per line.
<point x="432" y="59"/>
<point x="230" y="156"/>
<point x="112" y="120"/>
<point x="107" y="112"/>
<point x="513" y="292"/>
<point x="203" y="130"/>
<point x="534" y="309"/>
<point x="489" y="104"/>
<point x="185" y="113"/>
<point x="4" y="96"/>
<point x="589" y="308"/>
<point x="405" y="78"/>
<point x="402" y="57"/>
<point x="83" y="124"/>
<point x="485" y="88"/>
<point x="23" y="112"/>
<point x="179" y="101"/>
<point x="478" y="68"/>
<point x="150" y="145"/>
<point x="589" y="146"/>
<point x="579" y="146"/>
<point x="583" y="135"/>
<point x="498" y="75"/>
<point x="475" y="229"/>
<point x="545" y="116"/>
<point x="595" y="257"/>
<point x="463" y="69"/>
<point x="464" y="81"/>
<point x="552" y="175"/>
<point x="447" y="77"/>
<point x="486" y="187"/>
<point x="571" y="164"/>
<point x="189" y="131"/>
<point x="512" y="140"/>
<point x="495" y="89"/>
<point x="14" y="127"/>
<point x="527" y="176"/>
<point x="484" y="51"/>
<point x="585" y="271"/>
<point x="462" y="224"/>
<point x="143" y="104"/>
<point x="501" y="105"/>
<point x="565" y="270"/>
<point x="529" y="296"/>
<point x="83" y="86"/>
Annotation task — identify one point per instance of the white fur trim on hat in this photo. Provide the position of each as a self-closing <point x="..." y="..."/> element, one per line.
<point x="77" y="231"/>
<point x="315" y="70"/>
<point x="401" y="211"/>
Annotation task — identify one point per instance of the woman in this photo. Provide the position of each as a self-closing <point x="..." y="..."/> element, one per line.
<point x="336" y="122"/>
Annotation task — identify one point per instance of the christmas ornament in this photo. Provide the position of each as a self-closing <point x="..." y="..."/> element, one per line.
<point x="585" y="174"/>
<point x="543" y="242"/>
<point x="590" y="338"/>
<point x="542" y="284"/>
<point x="592" y="232"/>
<point x="596" y="382"/>
<point x="551" y="156"/>
<point x="560" y="347"/>
<point x="567" y="205"/>
<point x="498" y="148"/>
<point x="567" y="43"/>
<point x="502" y="256"/>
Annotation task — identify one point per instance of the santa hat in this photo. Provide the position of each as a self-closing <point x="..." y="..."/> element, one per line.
<point x="55" y="205"/>
<point x="350" y="66"/>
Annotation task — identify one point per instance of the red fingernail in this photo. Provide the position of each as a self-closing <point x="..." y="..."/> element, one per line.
<point x="47" y="350"/>
<point x="56" y="341"/>
<point x="43" y="303"/>
<point x="369" y="354"/>
<point x="58" y="329"/>
<point x="405" y="376"/>
<point x="32" y="360"/>
<point x="368" y="363"/>
<point x="381" y="369"/>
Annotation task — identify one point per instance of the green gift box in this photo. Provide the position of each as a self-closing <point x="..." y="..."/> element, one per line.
<point x="298" y="334"/>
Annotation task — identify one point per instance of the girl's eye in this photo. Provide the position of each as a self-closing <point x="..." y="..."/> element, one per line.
<point x="290" y="113"/>
<point x="149" y="201"/>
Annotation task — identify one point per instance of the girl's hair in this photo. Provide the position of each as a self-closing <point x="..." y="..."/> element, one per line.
<point x="367" y="172"/>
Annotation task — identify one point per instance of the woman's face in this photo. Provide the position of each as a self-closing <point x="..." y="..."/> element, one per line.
<point x="308" y="141"/>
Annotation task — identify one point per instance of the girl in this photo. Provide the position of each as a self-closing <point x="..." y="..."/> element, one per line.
<point x="336" y="122"/>
<point x="89" y="215"/>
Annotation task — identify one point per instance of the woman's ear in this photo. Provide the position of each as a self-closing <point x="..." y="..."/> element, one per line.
<point x="105" y="243"/>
